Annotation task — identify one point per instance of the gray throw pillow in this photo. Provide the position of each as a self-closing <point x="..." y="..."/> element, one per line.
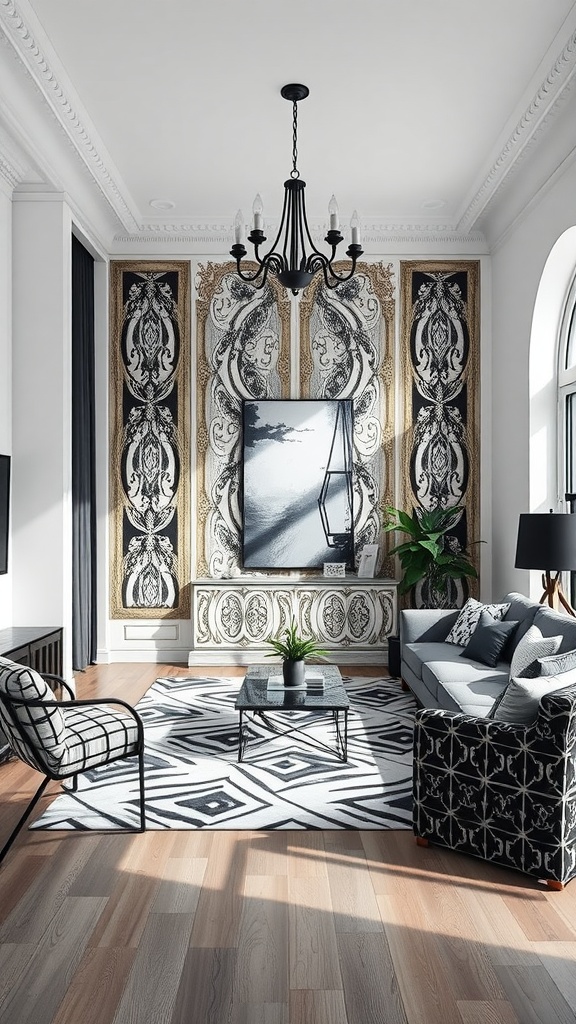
<point x="488" y="639"/>
<point x="532" y="647"/>
<point x="519" y="703"/>
<point x="469" y="617"/>
<point x="557" y="663"/>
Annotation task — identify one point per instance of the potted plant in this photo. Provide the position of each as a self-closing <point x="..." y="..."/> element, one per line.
<point x="432" y="555"/>
<point x="294" y="650"/>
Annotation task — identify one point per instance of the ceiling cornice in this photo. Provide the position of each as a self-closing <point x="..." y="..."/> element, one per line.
<point x="33" y="51"/>
<point x="553" y="89"/>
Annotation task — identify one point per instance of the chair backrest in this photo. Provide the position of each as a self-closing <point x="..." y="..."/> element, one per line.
<point x="36" y="732"/>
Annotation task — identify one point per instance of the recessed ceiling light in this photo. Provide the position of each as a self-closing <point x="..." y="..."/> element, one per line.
<point x="433" y="204"/>
<point x="162" y="204"/>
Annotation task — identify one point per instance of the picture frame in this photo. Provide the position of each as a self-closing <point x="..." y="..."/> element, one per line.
<point x="368" y="560"/>
<point x="297" y="483"/>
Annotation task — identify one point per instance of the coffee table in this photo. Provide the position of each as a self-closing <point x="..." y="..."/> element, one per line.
<point x="257" y="701"/>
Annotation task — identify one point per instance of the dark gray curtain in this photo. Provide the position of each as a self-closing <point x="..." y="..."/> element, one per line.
<point x="83" y="460"/>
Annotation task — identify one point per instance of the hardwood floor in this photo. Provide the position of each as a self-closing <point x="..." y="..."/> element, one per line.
<point x="268" y="927"/>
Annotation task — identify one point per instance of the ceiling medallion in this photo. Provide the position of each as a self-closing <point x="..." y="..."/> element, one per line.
<point x="288" y="257"/>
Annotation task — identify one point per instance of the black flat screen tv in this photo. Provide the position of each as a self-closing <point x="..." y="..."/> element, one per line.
<point x="4" y="511"/>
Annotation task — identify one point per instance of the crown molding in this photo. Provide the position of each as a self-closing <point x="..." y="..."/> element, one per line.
<point x="33" y="51"/>
<point x="377" y="236"/>
<point x="552" y="91"/>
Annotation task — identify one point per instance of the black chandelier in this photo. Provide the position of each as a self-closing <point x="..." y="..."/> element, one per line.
<point x="289" y="259"/>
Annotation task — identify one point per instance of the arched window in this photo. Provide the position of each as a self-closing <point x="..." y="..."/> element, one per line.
<point x="567" y="412"/>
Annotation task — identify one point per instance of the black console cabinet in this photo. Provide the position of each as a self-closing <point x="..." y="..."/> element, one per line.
<point x="40" y="647"/>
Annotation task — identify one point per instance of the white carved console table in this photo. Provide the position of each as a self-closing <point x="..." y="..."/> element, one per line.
<point x="352" y="617"/>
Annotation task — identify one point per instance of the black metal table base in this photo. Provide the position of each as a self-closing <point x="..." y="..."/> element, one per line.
<point x="341" y="739"/>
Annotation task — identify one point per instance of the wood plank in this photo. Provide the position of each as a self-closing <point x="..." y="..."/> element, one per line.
<point x="372" y="992"/>
<point x="180" y="887"/>
<point x="96" y="987"/>
<point x="56" y="957"/>
<point x="319" y="1007"/>
<point x="485" y="1012"/>
<point x="534" y="996"/>
<point x="267" y="853"/>
<point x="423" y="977"/>
<point x="498" y="929"/>
<point x="559" y="960"/>
<point x="353" y="899"/>
<point x="313" y="947"/>
<point x="205" y="992"/>
<point x="306" y="855"/>
<point x="152" y="986"/>
<point x="539" y="919"/>
<point x="262" y="962"/>
<point x="219" y="909"/>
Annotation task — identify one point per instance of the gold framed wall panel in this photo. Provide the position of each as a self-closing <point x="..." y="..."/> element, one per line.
<point x="347" y="351"/>
<point x="440" y="367"/>
<point x="149" y="439"/>
<point x="243" y="351"/>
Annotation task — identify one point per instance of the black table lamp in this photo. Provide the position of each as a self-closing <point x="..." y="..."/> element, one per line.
<point x="548" y="541"/>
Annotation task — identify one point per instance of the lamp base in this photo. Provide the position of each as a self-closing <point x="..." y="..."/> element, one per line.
<point x="553" y="593"/>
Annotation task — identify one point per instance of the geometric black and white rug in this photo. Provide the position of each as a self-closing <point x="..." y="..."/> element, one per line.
<point x="194" y="781"/>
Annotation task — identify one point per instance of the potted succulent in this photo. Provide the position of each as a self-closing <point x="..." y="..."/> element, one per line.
<point x="432" y="555"/>
<point x="294" y="650"/>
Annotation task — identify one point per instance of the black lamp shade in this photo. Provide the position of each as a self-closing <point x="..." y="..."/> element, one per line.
<point x="546" y="541"/>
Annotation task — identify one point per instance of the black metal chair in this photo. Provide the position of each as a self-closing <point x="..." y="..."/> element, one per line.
<point x="63" y="738"/>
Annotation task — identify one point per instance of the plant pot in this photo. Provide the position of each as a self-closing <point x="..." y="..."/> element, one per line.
<point x="293" y="672"/>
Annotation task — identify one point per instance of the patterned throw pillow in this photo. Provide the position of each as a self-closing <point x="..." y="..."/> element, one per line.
<point x="519" y="703"/>
<point x="43" y="727"/>
<point x="469" y="617"/>
<point x="557" y="663"/>
<point x="531" y="647"/>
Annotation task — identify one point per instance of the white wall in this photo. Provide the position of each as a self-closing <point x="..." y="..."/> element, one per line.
<point x="6" y="370"/>
<point x="41" y="423"/>
<point x="523" y="357"/>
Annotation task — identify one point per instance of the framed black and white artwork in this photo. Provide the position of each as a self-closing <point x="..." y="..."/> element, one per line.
<point x="297" y="483"/>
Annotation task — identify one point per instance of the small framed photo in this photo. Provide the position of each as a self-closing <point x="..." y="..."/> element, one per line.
<point x="368" y="559"/>
<point x="334" y="569"/>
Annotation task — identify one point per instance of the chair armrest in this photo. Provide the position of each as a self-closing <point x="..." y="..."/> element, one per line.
<point x="61" y="682"/>
<point x="87" y="703"/>
<point x="426" y="624"/>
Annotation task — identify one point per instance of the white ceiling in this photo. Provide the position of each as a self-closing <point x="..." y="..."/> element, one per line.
<point x="416" y="108"/>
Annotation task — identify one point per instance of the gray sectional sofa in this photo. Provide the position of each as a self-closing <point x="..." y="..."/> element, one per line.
<point x="441" y="677"/>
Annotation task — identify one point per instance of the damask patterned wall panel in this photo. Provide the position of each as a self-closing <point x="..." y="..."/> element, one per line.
<point x="243" y="352"/>
<point x="347" y="351"/>
<point x="149" y="439"/>
<point x="440" y="359"/>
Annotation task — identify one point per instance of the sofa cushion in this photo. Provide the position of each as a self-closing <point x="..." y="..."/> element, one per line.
<point x="468" y="620"/>
<point x="42" y="725"/>
<point x="553" y="623"/>
<point x="420" y="654"/>
<point x="441" y="673"/>
<point x="475" y="697"/>
<point x="531" y="647"/>
<point x="488" y="639"/>
<point x="522" y="610"/>
<point x="519" y="702"/>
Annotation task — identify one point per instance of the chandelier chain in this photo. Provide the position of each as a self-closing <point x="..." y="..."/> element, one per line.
<point x="294" y="173"/>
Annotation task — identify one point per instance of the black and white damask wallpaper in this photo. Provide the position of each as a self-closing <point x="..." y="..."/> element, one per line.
<point x="243" y="351"/>
<point x="440" y="360"/>
<point x="149" y="429"/>
<point x="347" y="351"/>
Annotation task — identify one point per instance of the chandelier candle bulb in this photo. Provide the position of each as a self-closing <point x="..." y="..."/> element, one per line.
<point x="258" y="210"/>
<point x="239" y="228"/>
<point x="333" y="211"/>
<point x="355" y="228"/>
